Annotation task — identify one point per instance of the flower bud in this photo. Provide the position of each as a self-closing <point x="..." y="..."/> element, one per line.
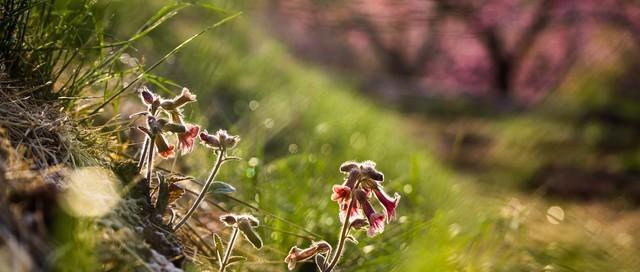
<point x="185" y="97"/>
<point x="174" y="127"/>
<point x="368" y="169"/>
<point x="359" y="223"/>
<point x="209" y="140"/>
<point x="220" y="140"/>
<point x="347" y="166"/>
<point x="253" y="222"/>
<point x="228" y="220"/>
<point x="296" y="254"/>
<point x="179" y="101"/>
<point x="147" y="96"/>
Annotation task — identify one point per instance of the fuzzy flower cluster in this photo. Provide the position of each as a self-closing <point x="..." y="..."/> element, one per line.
<point x="185" y="132"/>
<point x="364" y="181"/>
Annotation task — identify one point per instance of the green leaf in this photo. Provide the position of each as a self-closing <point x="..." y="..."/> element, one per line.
<point x="163" y="195"/>
<point x="219" y="187"/>
<point x="219" y="246"/>
<point x="250" y="234"/>
<point x="352" y="239"/>
<point x="235" y="259"/>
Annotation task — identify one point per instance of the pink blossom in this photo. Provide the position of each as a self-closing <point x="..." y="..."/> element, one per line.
<point x="187" y="139"/>
<point x="376" y="220"/>
<point x="342" y="195"/>
<point x="389" y="203"/>
<point x="376" y="224"/>
<point x="164" y="149"/>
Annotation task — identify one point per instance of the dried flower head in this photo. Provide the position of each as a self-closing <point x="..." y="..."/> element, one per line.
<point x="297" y="254"/>
<point x="220" y="140"/>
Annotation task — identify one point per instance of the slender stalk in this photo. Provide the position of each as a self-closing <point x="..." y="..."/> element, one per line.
<point x="150" y="162"/>
<point x="143" y="153"/>
<point x="205" y="188"/>
<point x="343" y="233"/>
<point x="227" y="254"/>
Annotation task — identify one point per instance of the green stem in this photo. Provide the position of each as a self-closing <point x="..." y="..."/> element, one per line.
<point x="343" y="233"/>
<point x="227" y="254"/>
<point x="205" y="188"/>
<point x="143" y="153"/>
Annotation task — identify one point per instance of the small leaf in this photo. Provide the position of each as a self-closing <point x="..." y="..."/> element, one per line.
<point x="176" y="178"/>
<point x="175" y="192"/>
<point x="219" y="187"/>
<point x="236" y="259"/>
<point x="320" y="262"/>
<point x="163" y="195"/>
<point x="250" y="234"/>
<point x="352" y="239"/>
<point x="219" y="247"/>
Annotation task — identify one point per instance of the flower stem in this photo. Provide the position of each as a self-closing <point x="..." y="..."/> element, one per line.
<point x="150" y="162"/>
<point x="227" y="254"/>
<point x="343" y="233"/>
<point x="143" y="153"/>
<point x="205" y="188"/>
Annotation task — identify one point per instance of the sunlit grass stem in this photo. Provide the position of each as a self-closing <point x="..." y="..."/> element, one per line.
<point x="227" y="254"/>
<point x="143" y="153"/>
<point x="221" y="157"/>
